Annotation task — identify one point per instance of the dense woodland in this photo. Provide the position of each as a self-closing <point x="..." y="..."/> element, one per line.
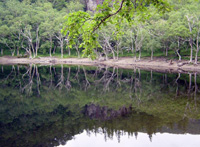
<point x="33" y="28"/>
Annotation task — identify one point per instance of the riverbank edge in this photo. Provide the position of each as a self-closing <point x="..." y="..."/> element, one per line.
<point x="158" y="64"/>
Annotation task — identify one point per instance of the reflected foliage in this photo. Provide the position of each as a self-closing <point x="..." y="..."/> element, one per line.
<point x="47" y="106"/>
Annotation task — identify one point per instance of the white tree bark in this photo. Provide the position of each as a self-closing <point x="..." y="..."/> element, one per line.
<point x="191" y="22"/>
<point x="61" y="42"/>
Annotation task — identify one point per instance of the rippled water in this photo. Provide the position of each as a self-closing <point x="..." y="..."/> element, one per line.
<point x="97" y="106"/>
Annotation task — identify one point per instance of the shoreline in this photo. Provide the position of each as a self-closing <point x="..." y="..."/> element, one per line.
<point x="158" y="64"/>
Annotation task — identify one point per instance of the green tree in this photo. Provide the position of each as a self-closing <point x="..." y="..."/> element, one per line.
<point x="85" y="24"/>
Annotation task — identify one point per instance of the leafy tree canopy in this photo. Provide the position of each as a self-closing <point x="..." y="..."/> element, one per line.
<point x="86" y="25"/>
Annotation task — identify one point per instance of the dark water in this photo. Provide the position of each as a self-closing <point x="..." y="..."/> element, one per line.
<point x="97" y="106"/>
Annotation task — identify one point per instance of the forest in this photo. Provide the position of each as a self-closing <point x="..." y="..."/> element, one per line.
<point x="34" y="28"/>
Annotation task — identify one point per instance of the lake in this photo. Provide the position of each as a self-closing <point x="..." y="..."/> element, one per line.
<point x="97" y="106"/>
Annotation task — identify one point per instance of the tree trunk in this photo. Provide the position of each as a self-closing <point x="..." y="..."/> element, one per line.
<point x="106" y="55"/>
<point x="33" y="51"/>
<point x="1" y="51"/>
<point x="68" y="83"/>
<point x="61" y="80"/>
<point x="51" y="77"/>
<point x="60" y="38"/>
<point x="69" y="51"/>
<point x="196" y="88"/>
<point x="135" y="37"/>
<point x="54" y="49"/>
<point x="78" y="53"/>
<point x="50" y="46"/>
<point x="196" y="56"/>
<point x="191" y="49"/>
<point x="30" y="52"/>
<point x="37" y="41"/>
<point x="135" y="55"/>
<point x="17" y="51"/>
<point x="197" y="51"/>
<point x="117" y="53"/>
<point x="61" y="51"/>
<point x="113" y="54"/>
<point x="62" y="75"/>
<point x="190" y="82"/>
<point x="13" y="53"/>
<point x="18" y="45"/>
<point x="139" y="54"/>
<point x="132" y="42"/>
<point x="104" y="50"/>
<point x="38" y="80"/>
<point x="139" y="74"/>
<point x="111" y="48"/>
<point x="178" y="51"/>
<point x="151" y="54"/>
<point x="166" y="53"/>
<point x="166" y="78"/>
<point x="118" y="45"/>
<point x="179" y="56"/>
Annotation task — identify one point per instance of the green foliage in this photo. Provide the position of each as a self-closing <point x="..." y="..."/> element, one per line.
<point x="27" y="26"/>
<point x="82" y="23"/>
<point x="131" y="28"/>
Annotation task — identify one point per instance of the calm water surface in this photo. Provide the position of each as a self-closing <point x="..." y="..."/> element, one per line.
<point x="97" y="106"/>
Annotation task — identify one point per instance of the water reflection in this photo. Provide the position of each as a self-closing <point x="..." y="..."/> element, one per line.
<point x="48" y="106"/>
<point x="142" y="140"/>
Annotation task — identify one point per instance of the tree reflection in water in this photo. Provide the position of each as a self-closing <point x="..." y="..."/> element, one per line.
<point x="47" y="106"/>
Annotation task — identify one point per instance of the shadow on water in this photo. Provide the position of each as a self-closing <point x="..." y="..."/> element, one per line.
<point x="49" y="105"/>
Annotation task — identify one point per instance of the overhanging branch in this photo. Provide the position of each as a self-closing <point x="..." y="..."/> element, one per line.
<point x="108" y="16"/>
